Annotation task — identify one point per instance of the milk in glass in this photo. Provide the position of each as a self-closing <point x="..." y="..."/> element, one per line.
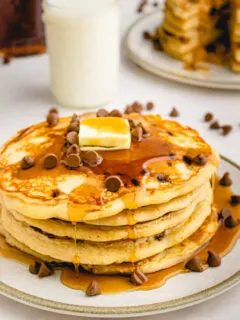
<point x="83" y="46"/>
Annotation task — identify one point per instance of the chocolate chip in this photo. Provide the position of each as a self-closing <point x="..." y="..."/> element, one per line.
<point x="200" y="160"/>
<point x="91" y="158"/>
<point x="72" y="137"/>
<point x="115" y="113"/>
<point x="34" y="267"/>
<point x="188" y="160"/>
<point x="52" y="119"/>
<point x="150" y="106"/>
<point x="147" y="35"/>
<point x="161" y="177"/>
<point x="132" y="123"/>
<point x="213" y="259"/>
<point x="226" y="129"/>
<point x="134" y="107"/>
<point x="137" y="134"/>
<point x="128" y="110"/>
<point x="155" y="4"/>
<point x="135" y="182"/>
<point x="144" y="130"/>
<point x="194" y="265"/>
<point x="53" y="110"/>
<point x="113" y="183"/>
<point x="50" y="161"/>
<point x="55" y="193"/>
<point x="137" y="107"/>
<point x="157" y="44"/>
<point x="159" y="236"/>
<point x="93" y="289"/>
<point x="143" y="171"/>
<point x="174" y="112"/>
<point x="73" y="161"/>
<point x="73" y="149"/>
<point x="74" y="126"/>
<point x="60" y="265"/>
<point x="45" y="270"/>
<point x="171" y="156"/>
<point x="102" y="113"/>
<point x="208" y="117"/>
<point x="225" y="180"/>
<point x="141" y="6"/>
<point x="138" y="277"/>
<point x="27" y="162"/>
<point x="75" y="117"/>
<point x="235" y="200"/>
<point x="7" y="59"/>
<point x="224" y="214"/>
<point x="215" y="125"/>
<point x="231" y="222"/>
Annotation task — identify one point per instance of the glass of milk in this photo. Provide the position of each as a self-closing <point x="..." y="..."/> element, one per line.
<point x="83" y="45"/>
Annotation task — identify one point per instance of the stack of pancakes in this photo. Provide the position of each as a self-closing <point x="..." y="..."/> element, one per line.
<point x="162" y="213"/>
<point x="235" y="34"/>
<point x="192" y="29"/>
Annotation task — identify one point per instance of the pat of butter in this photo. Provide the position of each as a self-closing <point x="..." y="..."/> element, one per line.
<point x="110" y="133"/>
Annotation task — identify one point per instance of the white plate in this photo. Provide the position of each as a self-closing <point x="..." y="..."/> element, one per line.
<point x="179" y="292"/>
<point x="157" y="62"/>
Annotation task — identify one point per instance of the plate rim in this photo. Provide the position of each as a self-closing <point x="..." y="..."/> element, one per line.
<point x="130" y="311"/>
<point x="205" y="83"/>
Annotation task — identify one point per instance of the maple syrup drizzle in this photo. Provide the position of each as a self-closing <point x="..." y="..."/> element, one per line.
<point x="221" y="243"/>
<point x="130" y="218"/>
<point x="76" y="258"/>
<point x="126" y="163"/>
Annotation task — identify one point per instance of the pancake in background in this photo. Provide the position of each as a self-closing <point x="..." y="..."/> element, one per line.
<point x="203" y="30"/>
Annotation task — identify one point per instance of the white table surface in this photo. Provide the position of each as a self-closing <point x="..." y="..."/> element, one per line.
<point x="25" y="98"/>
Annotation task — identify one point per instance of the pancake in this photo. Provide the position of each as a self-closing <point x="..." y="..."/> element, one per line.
<point x="65" y="249"/>
<point x="160" y="213"/>
<point x="167" y="258"/>
<point x="82" y="231"/>
<point x="83" y="196"/>
<point x="235" y="36"/>
<point x="190" y="28"/>
<point x="152" y="212"/>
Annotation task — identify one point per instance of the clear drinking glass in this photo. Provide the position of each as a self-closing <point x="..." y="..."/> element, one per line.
<point x="84" y="46"/>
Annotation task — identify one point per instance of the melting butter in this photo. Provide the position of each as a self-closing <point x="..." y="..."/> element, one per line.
<point x="110" y="133"/>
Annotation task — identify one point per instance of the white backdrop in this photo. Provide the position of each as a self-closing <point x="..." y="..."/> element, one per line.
<point x="25" y="99"/>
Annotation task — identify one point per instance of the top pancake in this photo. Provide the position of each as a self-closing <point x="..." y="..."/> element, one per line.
<point x="83" y="195"/>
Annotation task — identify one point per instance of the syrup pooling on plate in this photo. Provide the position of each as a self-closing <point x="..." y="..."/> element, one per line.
<point x="221" y="243"/>
<point x="9" y="252"/>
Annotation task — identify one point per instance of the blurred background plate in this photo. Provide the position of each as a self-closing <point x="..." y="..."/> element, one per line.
<point x="142" y="53"/>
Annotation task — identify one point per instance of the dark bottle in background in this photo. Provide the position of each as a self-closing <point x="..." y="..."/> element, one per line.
<point x="21" y="28"/>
